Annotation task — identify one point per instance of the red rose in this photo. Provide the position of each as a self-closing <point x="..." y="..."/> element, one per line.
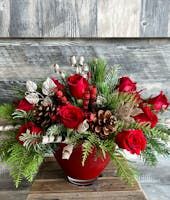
<point x="25" y="105"/>
<point x="58" y="84"/>
<point x="126" y="85"/>
<point x="159" y="102"/>
<point x="147" y="116"/>
<point x="77" y="85"/>
<point x="30" y="126"/>
<point x="131" y="140"/>
<point x="71" y="116"/>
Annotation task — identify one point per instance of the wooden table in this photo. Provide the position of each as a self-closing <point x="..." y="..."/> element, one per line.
<point x="51" y="184"/>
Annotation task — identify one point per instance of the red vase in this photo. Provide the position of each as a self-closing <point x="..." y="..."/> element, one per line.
<point x="73" y="169"/>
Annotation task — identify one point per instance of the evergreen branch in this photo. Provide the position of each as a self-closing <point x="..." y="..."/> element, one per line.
<point x="117" y="99"/>
<point x="23" y="163"/>
<point x="55" y="130"/>
<point x="98" y="70"/>
<point x="21" y="114"/>
<point x="87" y="149"/>
<point x="32" y="140"/>
<point x="6" y="111"/>
<point x="124" y="169"/>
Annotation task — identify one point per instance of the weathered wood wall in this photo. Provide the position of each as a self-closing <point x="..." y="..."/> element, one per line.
<point x="147" y="61"/>
<point x="84" y="18"/>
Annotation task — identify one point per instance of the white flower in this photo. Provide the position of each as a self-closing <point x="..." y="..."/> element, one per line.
<point x="31" y="86"/>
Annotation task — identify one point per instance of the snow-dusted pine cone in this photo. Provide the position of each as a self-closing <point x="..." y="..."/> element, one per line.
<point x="103" y="123"/>
<point x="44" y="115"/>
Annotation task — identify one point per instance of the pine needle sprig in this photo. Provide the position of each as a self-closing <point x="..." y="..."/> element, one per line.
<point x="20" y="161"/>
<point x="123" y="168"/>
<point x="98" y="70"/>
<point x="31" y="140"/>
<point x="87" y="149"/>
<point x="6" y="111"/>
<point x="117" y="99"/>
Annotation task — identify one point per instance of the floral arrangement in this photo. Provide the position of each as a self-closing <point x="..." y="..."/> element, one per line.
<point x="92" y="107"/>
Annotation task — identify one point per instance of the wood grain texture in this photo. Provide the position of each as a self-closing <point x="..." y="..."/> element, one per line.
<point x="154" y="18"/>
<point x="118" y="18"/>
<point x="84" y="18"/>
<point x="55" y="186"/>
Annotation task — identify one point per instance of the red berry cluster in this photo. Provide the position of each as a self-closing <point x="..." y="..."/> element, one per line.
<point x="89" y="96"/>
<point x="61" y="97"/>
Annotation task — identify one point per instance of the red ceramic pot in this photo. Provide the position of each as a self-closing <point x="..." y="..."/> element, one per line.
<point x="78" y="174"/>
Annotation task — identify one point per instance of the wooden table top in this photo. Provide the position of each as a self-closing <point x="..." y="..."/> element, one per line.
<point x="51" y="184"/>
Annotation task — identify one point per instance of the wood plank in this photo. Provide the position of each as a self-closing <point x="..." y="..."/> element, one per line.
<point x="84" y="18"/>
<point x="4" y="18"/>
<point x="89" y="196"/>
<point x="154" y="18"/>
<point x="113" y="15"/>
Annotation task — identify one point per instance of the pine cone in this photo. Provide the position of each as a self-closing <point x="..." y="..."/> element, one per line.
<point x="43" y="114"/>
<point x="103" y="123"/>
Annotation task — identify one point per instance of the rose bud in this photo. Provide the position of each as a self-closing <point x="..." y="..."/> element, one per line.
<point x="133" y="141"/>
<point x="160" y="102"/>
<point x="126" y="85"/>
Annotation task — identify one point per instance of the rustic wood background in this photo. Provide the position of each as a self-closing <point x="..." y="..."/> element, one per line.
<point x="84" y="18"/>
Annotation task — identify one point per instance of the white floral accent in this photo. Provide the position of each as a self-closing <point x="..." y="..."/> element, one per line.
<point x="47" y="86"/>
<point x="31" y="86"/>
<point x="32" y="98"/>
